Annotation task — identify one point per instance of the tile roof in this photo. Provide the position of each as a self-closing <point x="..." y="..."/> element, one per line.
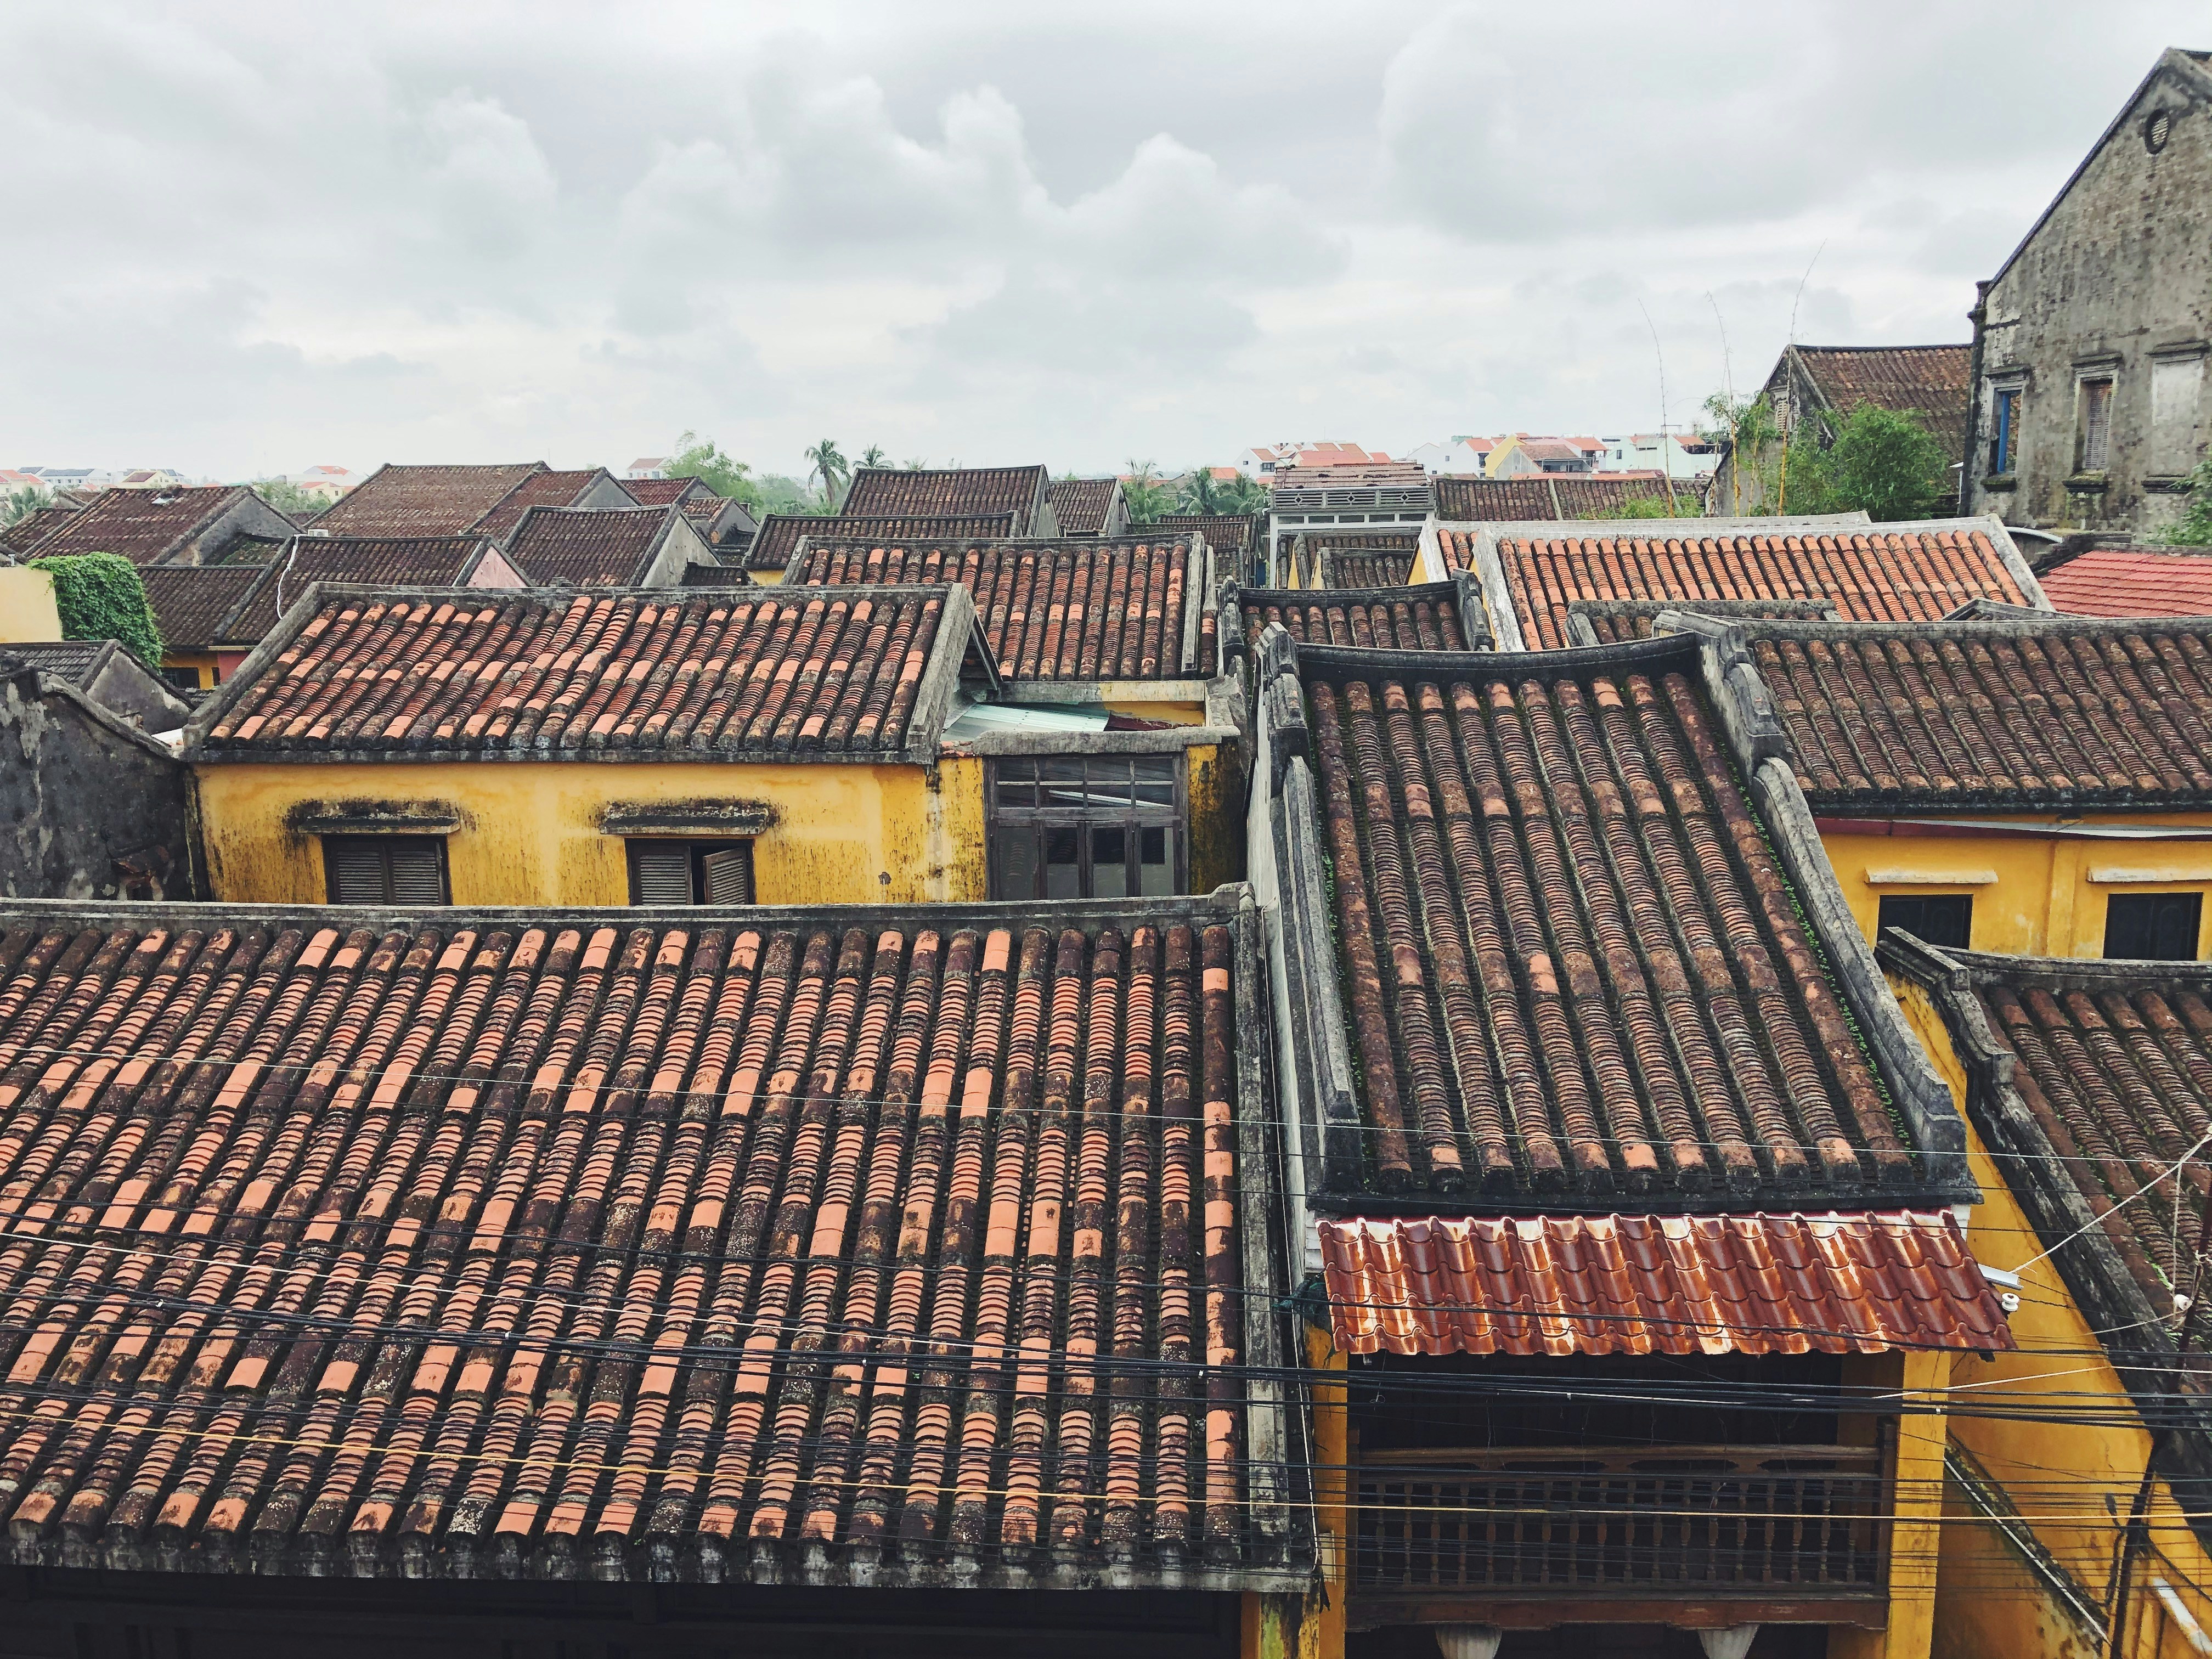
<point x="1789" y="1283"/>
<point x="69" y="660"/>
<point x="1080" y="505"/>
<point x="2027" y="713"/>
<point x="886" y="491"/>
<point x="1610" y="622"/>
<point x="423" y="501"/>
<point x="1236" y="531"/>
<point x="589" y="547"/>
<point x="1572" y="965"/>
<point x="2116" y="581"/>
<point x="537" y="674"/>
<point x="23" y="536"/>
<point x="681" y="1242"/>
<point x="780" y="533"/>
<point x="714" y="575"/>
<point x="1527" y="500"/>
<point x="143" y="526"/>
<point x="1361" y="558"/>
<point x="1052" y="610"/>
<point x="1370" y="474"/>
<point x="546" y="488"/>
<point x="190" y="601"/>
<point x="1396" y="618"/>
<point x="1932" y="382"/>
<point x="664" y="492"/>
<point x="383" y="562"/>
<point x="1872" y="573"/>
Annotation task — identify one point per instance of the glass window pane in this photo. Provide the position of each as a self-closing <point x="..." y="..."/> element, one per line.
<point x="1017" y="783"/>
<point x="1061" y="780"/>
<point x="1014" y="863"/>
<point x="1063" y="872"/>
<point x="1155" y="869"/>
<point x="1110" y="863"/>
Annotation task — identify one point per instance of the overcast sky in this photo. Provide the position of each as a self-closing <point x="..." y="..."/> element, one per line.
<point x="242" y="238"/>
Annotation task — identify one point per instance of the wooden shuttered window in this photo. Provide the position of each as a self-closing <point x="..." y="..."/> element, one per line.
<point x="402" y="869"/>
<point x="691" y="873"/>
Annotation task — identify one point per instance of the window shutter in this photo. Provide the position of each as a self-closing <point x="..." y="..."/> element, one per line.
<point x="355" y="871"/>
<point x="729" y="874"/>
<point x="661" y="873"/>
<point x="418" y="872"/>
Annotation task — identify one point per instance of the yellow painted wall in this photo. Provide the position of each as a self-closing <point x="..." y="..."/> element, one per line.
<point x="28" y="611"/>
<point x="767" y="578"/>
<point x="530" y="834"/>
<point x="2033" y="896"/>
<point x="2057" y="1475"/>
<point x="202" y="663"/>
<point x="1176" y="714"/>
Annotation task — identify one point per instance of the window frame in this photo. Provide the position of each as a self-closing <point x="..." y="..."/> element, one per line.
<point x="698" y="847"/>
<point x="2193" y="896"/>
<point x="385" y="846"/>
<point x="1003" y="821"/>
<point x="2005" y="405"/>
<point x="1883" y="901"/>
<point x="2094" y="396"/>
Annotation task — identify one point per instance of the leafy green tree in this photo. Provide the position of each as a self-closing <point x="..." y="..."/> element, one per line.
<point x="100" y="596"/>
<point x="873" y="456"/>
<point x="288" y="497"/>
<point x="1201" y="493"/>
<point x="914" y="463"/>
<point x="1745" y="430"/>
<point x="831" y="467"/>
<point x="19" y="504"/>
<point x="2195" y="527"/>
<point x="1147" y="496"/>
<point x="1884" y="462"/>
<point x="780" y="493"/>
<point x="1240" y="495"/>
<point x="1640" y="507"/>
<point x="702" y="459"/>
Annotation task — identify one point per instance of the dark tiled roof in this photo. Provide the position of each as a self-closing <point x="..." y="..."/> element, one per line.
<point x="664" y="492"/>
<point x="143" y="526"/>
<point x="546" y="488"/>
<point x="1572" y="965"/>
<point x="1080" y="505"/>
<point x="1425" y="618"/>
<point x="2116" y="581"/>
<point x="190" y="601"/>
<point x="2011" y="715"/>
<point x="1363" y="558"/>
<point x="1872" y="573"/>
<point x="1611" y="622"/>
<point x="1527" y="499"/>
<point x="885" y="491"/>
<point x="1072" y="610"/>
<point x="563" y="1246"/>
<point x="23" y="536"/>
<point x="1356" y="476"/>
<point x="1931" y="381"/>
<point x="71" y="661"/>
<point x="1236" y="531"/>
<point x="714" y="575"/>
<point x="780" y="533"/>
<point x="588" y="547"/>
<point x="424" y="501"/>
<point x="529" y="673"/>
<point x="383" y="562"/>
<point x="1643" y="1284"/>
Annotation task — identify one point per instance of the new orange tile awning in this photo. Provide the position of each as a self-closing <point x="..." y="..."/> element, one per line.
<point x="1640" y="1283"/>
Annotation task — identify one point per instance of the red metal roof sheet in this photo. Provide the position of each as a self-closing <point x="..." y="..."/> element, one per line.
<point x="1792" y="1283"/>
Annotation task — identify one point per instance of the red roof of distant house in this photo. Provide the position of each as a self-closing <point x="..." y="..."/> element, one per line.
<point x="2123" y="581"/>
<point x="1648" y="1284"/>
<point x="424" y="501"/>
<point x="662" y="492"/>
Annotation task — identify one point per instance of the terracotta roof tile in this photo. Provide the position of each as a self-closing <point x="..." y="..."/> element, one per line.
<point x="2114" y="581"/>
<point x="1610" y="622"/>
<point x="1399" y="618"/>
<point x="1358" y="558"/>
<point x="780" y="533"/>
<point x="1052" y="610"/>
<point x="1572" y="965"/>
<point x="1789" y="1283"/>
<point x="1871" y="573"/>
<point x="143" y="526"/>
<point x="1931" y="381"/>
<point x="23" y="536"/>
<point x="384" y="562"/>
<point x="590" y="547"/>
<point x="190" y="601"/>
<point x="533" y="674"/>
<point x="573" y="1247"/>
<point x="1220" y="529"/>
<point x="2017" y="714"/>
<point x="888" y="491"/>
<point x="664" y="492"/>
<point x="424" y="501"/>
<point x="1511" y="501"/>
<point x="546" y="488"/>
<point x="1080" y="505"/>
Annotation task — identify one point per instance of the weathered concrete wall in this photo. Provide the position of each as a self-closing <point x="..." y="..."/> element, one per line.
<point x="2117" y="281"/>
<point x="89" y="809"/>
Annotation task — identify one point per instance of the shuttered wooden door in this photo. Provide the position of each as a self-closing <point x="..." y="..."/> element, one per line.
<point x="726" y="875"/>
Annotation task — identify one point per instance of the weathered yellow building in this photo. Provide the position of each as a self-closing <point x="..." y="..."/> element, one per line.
<point x="537" y="747"/>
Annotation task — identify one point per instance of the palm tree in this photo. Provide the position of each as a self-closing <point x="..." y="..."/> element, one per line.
<point x="1199" y="493"/>
<point x="873" y="456"/>
<point x="831" y="466"/>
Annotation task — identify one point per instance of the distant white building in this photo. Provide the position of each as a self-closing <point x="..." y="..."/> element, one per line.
<point x="1459" y="454"/>
<point x="152" y="478"/>
<point x="74" y="477"/>
<point x="324" y="482"/>
<point x="1260" y="462"/>
<point x="1675" y="455"/>
<point x="647" y="466"/>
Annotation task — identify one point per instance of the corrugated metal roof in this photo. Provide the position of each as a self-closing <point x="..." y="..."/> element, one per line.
<point x="1760" y="1284"/>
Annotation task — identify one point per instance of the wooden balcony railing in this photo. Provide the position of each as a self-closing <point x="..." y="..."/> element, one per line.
<point x="1762" y="1521"/>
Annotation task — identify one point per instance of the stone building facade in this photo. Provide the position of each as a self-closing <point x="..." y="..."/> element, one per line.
<point x="2090" y="343"/>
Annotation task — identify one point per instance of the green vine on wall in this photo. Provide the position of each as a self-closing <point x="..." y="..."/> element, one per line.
<point x="100" y="597"/>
